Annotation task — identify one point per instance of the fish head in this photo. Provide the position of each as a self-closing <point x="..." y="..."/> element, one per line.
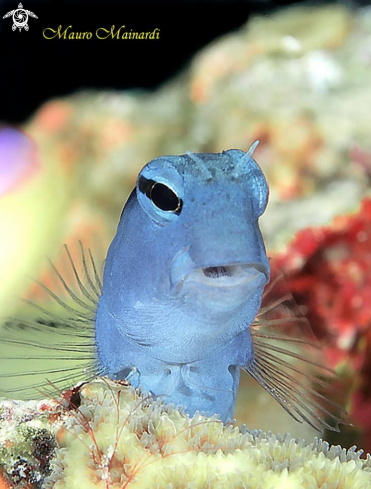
<point x="190" y="238"/>
<point x="223" y="267"/>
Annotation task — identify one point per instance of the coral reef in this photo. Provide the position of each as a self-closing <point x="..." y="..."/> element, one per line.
<point x="328" y="272"/>
<point x="27" y="441"/>
<point x="108" y="435"/>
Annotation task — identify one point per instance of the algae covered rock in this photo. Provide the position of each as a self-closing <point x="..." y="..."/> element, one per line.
<point x="27" y="441"/>
<point x="110" y="436"/>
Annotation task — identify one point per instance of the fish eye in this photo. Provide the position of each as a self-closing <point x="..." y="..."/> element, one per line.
<point x="165" y="198"/>
<point x="160" y="197"/>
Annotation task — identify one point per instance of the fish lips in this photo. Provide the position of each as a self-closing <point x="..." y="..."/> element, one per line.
<point x="227" y="276"/>
<point x="223" y="287"/>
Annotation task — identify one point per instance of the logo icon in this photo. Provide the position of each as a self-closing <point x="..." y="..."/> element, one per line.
<point x="20" y="17"/>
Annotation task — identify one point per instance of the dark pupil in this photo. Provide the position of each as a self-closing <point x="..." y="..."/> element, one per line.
<point x="164" y="198"/>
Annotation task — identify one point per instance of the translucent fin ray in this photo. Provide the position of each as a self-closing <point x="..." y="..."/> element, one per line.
<point x="77" y="276"/>
<point x="96" y="275"/>
<point x="65" y="305"/>
<point x="55" y="342"/>
<point x="63" y="328"/>
<point x="289" y="363"/>
<point x="46" y="371"/>
<point x="282" y="376"/>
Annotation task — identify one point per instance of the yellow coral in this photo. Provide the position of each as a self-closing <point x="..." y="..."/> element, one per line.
<point x="118" y="439"/>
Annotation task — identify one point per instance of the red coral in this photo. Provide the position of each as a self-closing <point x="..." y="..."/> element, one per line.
<point x="5" y="482"/>
<point x="328" y="270"/>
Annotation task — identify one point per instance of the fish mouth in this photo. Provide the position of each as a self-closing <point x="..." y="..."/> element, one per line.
<point x="218" y="291"/>
<point x="227" y="276"/>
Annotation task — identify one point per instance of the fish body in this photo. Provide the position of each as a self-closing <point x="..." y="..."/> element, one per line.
<point x="184" y="278"/>
<point x="188" y="300"/>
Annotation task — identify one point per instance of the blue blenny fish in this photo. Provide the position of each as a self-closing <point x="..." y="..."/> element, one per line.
<point x="178" y="311"/>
